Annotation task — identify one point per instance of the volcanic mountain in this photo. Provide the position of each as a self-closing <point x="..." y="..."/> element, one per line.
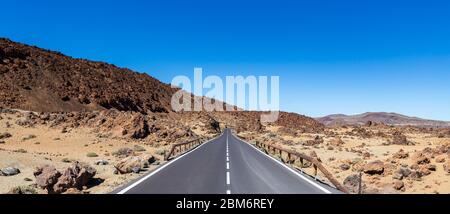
<point x="380" y="117"/>
<point x="40" y="80"/>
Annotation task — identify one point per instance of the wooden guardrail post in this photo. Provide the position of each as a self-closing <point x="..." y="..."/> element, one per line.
<point x="315" y="172"/>
<point x="182" y="147"/>
<point x="360" y="183"/>
<point x="316" y="164"/>
<point x="301" y="164"/>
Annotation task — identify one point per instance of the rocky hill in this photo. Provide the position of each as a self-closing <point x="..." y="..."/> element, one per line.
<point x="40" y="80"/>
<point x="380" y="117"/>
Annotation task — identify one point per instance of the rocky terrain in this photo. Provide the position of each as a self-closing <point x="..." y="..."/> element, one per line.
<point x="76" y="126"/>
<point x="392" y="159"/>
<point x="40" y="80"/>
<point x="380" y="117"/>
<point x="112" y="147"/>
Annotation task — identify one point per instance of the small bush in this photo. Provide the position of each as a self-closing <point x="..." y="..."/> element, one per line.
<point x="138" y="148"/>
<point x="67" y="160"/>
<point x="123" y="152"/>
<point x="161" y="152"/>
<point x="29" y="137"/>
<point x="92" y="155"/>
<point x="20" y="151"/>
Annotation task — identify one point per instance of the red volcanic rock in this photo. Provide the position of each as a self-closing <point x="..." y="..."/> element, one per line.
<point x="374" y="168"/>
<point x="41" y="80"/>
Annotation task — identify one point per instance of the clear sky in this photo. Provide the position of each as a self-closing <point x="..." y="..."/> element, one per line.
<point x="332" y="56"/>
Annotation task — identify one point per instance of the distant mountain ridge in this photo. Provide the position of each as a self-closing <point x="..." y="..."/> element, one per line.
<point x="380" y="117"/>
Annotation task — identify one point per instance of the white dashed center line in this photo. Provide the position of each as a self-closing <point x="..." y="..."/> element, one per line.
<point x="228" y="169"/>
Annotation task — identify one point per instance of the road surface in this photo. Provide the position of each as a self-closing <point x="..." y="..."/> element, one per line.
<point x="225" y="165"/>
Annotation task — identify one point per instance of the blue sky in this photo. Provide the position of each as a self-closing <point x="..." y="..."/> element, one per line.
<point x="332" y="56"/>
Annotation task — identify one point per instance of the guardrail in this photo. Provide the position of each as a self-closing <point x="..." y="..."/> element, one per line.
<point x="181" y="148"/>
<point x="293" y="156"/>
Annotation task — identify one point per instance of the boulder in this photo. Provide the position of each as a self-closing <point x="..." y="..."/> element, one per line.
<point x="344" y="167"/>
<point x="316" y="141"/>
<point x="101" y="162"/>
<point x="44" y="116"/>
<point x="137" y="127"/>
<point x="150" y="159"/>
<point x="9" y="171"/>
<point x="447" y="166"/>
<point x="401" y="173"/>
<point x="440" y="159"/>
<point x="214" y="124"/>
<point x="424" y="171"/>
<point x="415" y="175"/>
<point x="129" y="164"/>
<point x="25" y="122"/>
<point x="136" y="169"/>
<point x="352" y="183"/>
<point x="366" y="155"/>
<point x="76" y="176"/>
<point x="361" y="132"/>
<point x="46" y="177"/>
<point x="399" y="138"/>
<point x="23" y="190"/>
<point x="420" y="159"/>
<point x="401" y="154"/>
<point x="431" y="167"/>
<point x="337" y="142"/>
<point x="374" y="168"/>
<point x="399" y="185"/>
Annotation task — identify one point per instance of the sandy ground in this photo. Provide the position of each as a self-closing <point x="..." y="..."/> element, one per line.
<point x="40" y="145"/>
<point x="332" y="158"/>
<point x="51" y="146"/>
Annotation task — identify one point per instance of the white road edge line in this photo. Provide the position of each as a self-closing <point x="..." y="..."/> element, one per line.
<point x="228" y="178"/>
<point x="161" y="168"/>
<point x="290" y="169"/>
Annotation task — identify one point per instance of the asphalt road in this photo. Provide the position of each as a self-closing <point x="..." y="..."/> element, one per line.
<point x="225" y="165"/>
